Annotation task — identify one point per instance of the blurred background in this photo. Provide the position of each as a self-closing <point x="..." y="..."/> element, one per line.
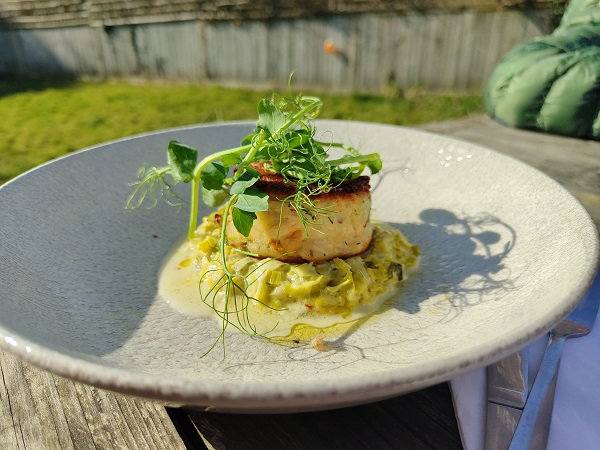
<point x="74" y="73"/>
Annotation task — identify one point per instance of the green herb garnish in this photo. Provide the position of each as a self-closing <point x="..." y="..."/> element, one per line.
<point x="283" y="141"/>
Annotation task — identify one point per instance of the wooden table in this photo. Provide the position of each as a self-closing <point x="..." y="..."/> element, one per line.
<point x="42" y="411"/>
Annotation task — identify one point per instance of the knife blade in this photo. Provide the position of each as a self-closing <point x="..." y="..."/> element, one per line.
<point x="507" y="391"/>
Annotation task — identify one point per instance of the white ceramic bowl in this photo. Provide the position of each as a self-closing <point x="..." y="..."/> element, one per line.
<point x="506" y="253"/>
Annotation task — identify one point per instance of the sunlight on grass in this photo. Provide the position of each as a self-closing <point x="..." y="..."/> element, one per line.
<point x="44" y="120"/>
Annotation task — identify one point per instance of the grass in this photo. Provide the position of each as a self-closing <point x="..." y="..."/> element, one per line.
<point x="43" y="120"/>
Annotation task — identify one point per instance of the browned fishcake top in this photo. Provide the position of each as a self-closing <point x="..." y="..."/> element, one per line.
<point x="275" y="185"/>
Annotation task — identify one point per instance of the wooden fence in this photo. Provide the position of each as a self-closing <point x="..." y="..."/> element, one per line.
<point x="362" y="52"/>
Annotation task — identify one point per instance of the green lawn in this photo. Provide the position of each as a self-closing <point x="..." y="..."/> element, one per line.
<point x="41" y="120"/>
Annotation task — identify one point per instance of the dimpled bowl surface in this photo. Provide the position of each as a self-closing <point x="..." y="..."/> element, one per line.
<point x="506" y="253"/>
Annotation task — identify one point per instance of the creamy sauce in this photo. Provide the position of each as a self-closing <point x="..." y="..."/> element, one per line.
<point x="284" y="295"/>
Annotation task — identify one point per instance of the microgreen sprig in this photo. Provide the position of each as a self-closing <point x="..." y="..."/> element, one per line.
<point x="284" y="139"/>
<point x="284" y="142"/>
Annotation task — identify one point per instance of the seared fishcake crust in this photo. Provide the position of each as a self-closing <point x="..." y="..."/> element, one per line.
<point x="279" y="233"/>
<point x="275" y="185"/>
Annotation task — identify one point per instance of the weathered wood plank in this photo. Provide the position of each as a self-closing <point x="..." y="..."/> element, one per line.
<point x="41" y="411"/>
<point x="170" y="51"/>
<point x="397" y="423"/>
<point x="25" y="420"/>
<point x="8" y="430"/>
<point x="44" y="14"/>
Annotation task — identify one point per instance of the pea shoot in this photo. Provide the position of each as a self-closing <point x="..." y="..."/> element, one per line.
<point x="284" y="142"/>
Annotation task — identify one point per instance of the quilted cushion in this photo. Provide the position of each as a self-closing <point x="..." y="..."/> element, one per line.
<point x="552" y="83"/>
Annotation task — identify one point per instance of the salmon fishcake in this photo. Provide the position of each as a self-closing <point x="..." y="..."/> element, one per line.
<point x="338" y="227"/>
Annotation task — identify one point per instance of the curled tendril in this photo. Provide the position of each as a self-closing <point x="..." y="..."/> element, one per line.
<point x="233" y="287"/>
<point x="150" y="185"/>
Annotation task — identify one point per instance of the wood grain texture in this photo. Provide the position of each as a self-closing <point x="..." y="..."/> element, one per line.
<point x="372" y="52"/>
<point x="60" y="13"/>
<point x="41" y="411"/>
<point x="421" y="420"/>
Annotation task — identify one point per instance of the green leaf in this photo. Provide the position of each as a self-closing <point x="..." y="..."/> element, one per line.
<point x="182" y="161"/>
<point x="213" y="176"/>
<point x="270" y="117"/>
<point x="252" y="200"/>
<point x="246" y="179"/>
<point x="214" y="197"/>
<point x="248" y="140"/>
<point x="297" y="138"/>
<point x="243" y="220"/>
<point x="231" y="159"/>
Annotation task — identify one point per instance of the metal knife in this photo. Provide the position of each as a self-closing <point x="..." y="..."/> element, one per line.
<point x="507" y="391"/>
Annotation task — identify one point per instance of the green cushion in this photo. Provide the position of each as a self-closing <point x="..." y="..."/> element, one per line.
<point x="552" y="83"/>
